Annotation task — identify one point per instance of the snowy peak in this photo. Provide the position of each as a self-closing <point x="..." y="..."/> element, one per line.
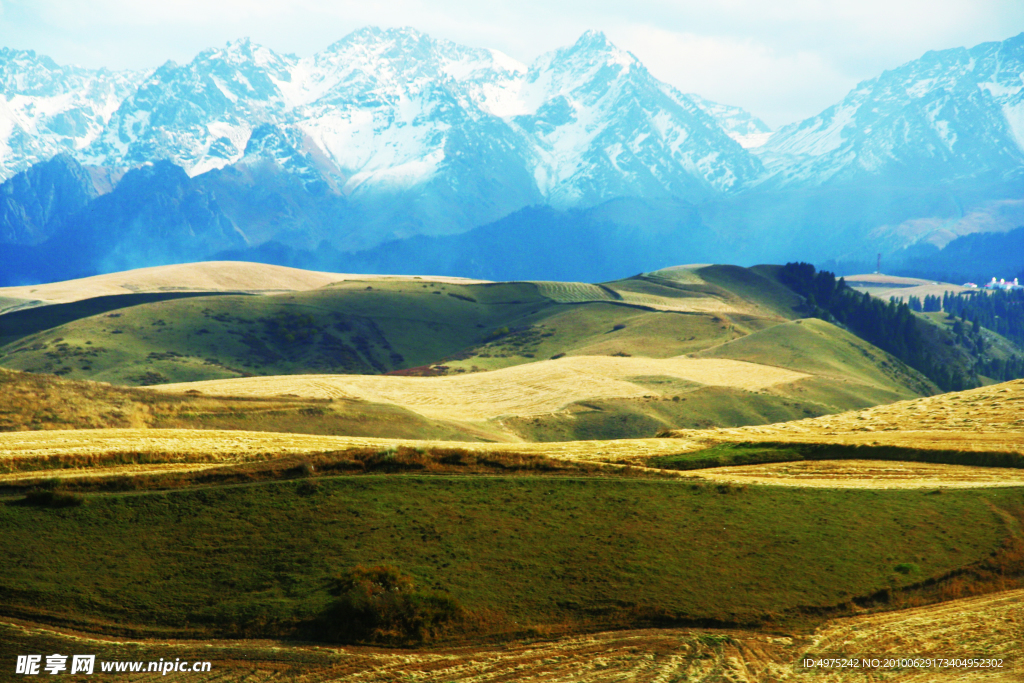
<point x="591" y="58"/>
<point x="210" y="104"/>
<point x="385" y="111"/>
<point x="741" y="125"/>
<point x="596" y="42"/>
<point x="395" y="118"/>
<point x="949" y="115"/>
<point x="49" y="109"/>
<point x="25" y="73"/>
<point x="600" y="126"/>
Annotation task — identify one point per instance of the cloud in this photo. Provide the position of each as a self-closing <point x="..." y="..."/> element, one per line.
<point x="776" y="86"/>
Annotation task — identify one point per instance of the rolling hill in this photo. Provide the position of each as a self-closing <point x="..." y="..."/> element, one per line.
<point x="270" y="518"/>
<point x="540" y="560"/>
<point x="689" y="346"/>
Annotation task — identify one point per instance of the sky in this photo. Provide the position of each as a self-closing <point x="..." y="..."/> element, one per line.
<point x="783" y="60"/>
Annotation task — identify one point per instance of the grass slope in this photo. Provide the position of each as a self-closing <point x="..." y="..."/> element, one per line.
<point x="693" y="407"/>
<point x="522" y="555"/>
<point x="208" y="276"/>
<point x="38" y="402"/>
<point x="352" y="327"/>
<point x="820" y="348"/>
<point x="19" y="324"/>
<point x="426" y="327"/>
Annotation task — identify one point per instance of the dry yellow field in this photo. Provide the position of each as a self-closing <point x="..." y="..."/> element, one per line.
<point x="989" y="626"/>
<point x="24" y="455"/>
<point x="920" y="291"/>
<point x="881" y="280"/>
<point x="581" y="292"/>
<point x="685" y="274"/>
<point x="704" y="304"/>
<point x="232" y="445"/>
<point x="985" y="419"/>
<point x="886" y="286"/>
<point x="572" y="292"/>
<point x="866" y="474"/>
<point x="209" y="276"/>
<point x="530" y="389"/>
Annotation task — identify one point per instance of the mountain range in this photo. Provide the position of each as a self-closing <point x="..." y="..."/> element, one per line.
<point x="390" y="135"/>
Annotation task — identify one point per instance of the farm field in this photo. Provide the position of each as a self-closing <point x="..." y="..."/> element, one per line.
<point x="987" y="418"/>
<point x="902" y="288"/>
<point x="990" y="623"/>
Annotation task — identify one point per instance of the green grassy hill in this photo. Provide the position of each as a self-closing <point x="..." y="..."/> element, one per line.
<point x="356" y="328"/>
<point x="370" y="327"/>
<point x="424" y="327"/>
<point x="37" y="402"/>
<point x="846" y="367"/>
<point x="519" y="555"/>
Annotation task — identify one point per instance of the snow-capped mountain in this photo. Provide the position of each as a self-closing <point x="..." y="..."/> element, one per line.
<point x="47" y="109"/>
<point x="393" y="118"/>
<point x="388" y="134"/>
<point x="598" y="125"/>
<point x="952" y="114"/>
<point x="740" y="124"/>
<point x="199" y="115"/>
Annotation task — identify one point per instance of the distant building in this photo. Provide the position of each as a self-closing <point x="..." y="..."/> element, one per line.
<point x="969" y="284"/>
<point x="1004" y="285"/>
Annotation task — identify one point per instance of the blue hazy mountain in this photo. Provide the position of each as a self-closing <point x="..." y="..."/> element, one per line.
<point x="155" y="215"/>
<point x="616" y="239"/>
<point x="35" y="203"/>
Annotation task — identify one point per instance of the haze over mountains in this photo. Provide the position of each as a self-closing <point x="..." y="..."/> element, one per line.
<point x="390" y="149"/>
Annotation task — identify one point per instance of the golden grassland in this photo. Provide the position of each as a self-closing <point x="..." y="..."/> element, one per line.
<point x="208" y="276"/>
<point x="989" y="418"/>
<point x="529" y="389"/>
<point x="984" y="420"/>
<point x="987" y="626"/>
<point x="141" y="468"/>
<point x="881" y="279"/>
<point x="34" y="402"/>
<point x="73" y="454"/>
<point x="873" y="474"/>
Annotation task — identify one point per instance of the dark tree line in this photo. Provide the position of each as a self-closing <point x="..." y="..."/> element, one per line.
<point x="894" y="328"/>
<point x="931" y="304"/>
<point x="1000" y="311"/>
